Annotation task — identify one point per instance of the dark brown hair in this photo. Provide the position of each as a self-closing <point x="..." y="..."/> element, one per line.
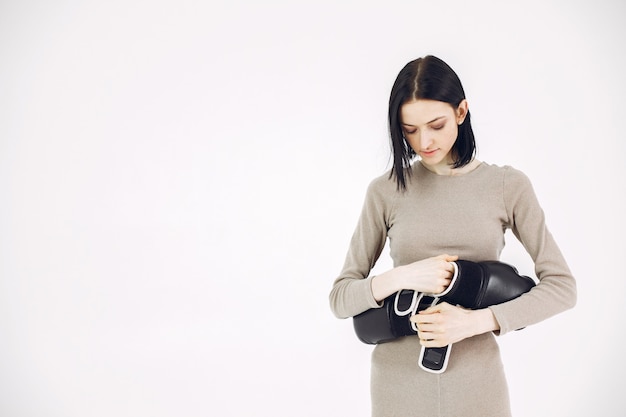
<point x="432" y="79"/>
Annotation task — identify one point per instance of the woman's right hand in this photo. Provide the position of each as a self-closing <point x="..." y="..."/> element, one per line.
<point x="430" y="275"/>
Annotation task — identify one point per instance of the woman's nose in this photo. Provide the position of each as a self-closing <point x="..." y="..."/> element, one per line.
<point x="425" y="140"/>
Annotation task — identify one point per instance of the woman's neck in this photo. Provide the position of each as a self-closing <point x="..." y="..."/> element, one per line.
<point x="448" y="170"/>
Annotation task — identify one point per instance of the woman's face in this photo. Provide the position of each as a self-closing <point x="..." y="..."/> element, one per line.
<point x="431" y="128"/>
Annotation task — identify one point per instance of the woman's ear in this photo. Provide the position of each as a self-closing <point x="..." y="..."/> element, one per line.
<point x="461" y="111"/>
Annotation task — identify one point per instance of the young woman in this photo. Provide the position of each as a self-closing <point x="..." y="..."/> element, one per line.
<point x="436" y="205"/>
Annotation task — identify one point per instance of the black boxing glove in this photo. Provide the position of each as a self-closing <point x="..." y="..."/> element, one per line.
<point x="482" y="284"/>
<point x="474" y="285"/>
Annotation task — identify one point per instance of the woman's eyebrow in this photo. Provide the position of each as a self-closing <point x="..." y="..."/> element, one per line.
<point x="434" y="120"/>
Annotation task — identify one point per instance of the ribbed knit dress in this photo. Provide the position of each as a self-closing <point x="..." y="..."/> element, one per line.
<point x="465" y="215"/>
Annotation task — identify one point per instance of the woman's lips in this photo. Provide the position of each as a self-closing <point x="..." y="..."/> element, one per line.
<point x="428" y="153"/>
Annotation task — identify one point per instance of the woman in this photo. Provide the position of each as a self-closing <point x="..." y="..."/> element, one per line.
<point x="436" y="205"/>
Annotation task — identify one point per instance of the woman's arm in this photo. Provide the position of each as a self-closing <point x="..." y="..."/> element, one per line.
<point x="444" y="324"/>
<point x="431" y="275"/>
<point x="351" y="293"/>
<point x="556" y="290"/>
<point x="355" y="291"/>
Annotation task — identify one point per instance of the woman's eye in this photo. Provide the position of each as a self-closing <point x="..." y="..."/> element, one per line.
<point x="409" y="132"/>
<point x="438" y="127"/>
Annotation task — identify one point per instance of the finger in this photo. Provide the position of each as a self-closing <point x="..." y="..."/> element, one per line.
<point x="427" y="330"/>
<point x="444" y="257"/>
<point x="438" y="308"/>
<point x="423" y="326"/>
<point x="431" y="343"/>
<point x="446" y="271"/>
<point x="429" y="339"/>
<point x="425" y="336"/>
<point x="427" y="312"/>
<point x="443" y="284"/>
<point x="421" y="320"/>
<point x="449" y="258"/>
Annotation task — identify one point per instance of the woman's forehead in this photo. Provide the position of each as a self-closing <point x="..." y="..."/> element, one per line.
<point x="421" y="112"/>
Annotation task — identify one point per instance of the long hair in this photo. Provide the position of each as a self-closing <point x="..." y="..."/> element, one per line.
<point x="432" y="79"/>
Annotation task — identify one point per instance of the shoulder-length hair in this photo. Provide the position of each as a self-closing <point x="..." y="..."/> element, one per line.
<point x="432" y="79"/>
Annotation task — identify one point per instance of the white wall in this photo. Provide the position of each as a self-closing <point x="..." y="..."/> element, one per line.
<point x="179" y="181"/>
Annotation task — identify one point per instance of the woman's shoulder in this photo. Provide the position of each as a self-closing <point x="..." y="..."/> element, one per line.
<point x="513" y="182"/>
<point x="508" y="173"/>
<point x="384" y="183"/>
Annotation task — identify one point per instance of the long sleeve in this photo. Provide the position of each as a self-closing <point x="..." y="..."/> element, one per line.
<point x="351" y="293"/>
<point x="556" y="291"/>
<point x="467" y="216"/>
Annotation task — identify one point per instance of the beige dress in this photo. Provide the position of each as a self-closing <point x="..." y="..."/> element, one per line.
<point x="464" y="215"/>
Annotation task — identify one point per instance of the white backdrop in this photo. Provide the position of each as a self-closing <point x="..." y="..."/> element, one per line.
<point x="179" y="181"/>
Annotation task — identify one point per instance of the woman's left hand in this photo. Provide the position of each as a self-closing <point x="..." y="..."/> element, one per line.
<point x="445" y="324"/>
